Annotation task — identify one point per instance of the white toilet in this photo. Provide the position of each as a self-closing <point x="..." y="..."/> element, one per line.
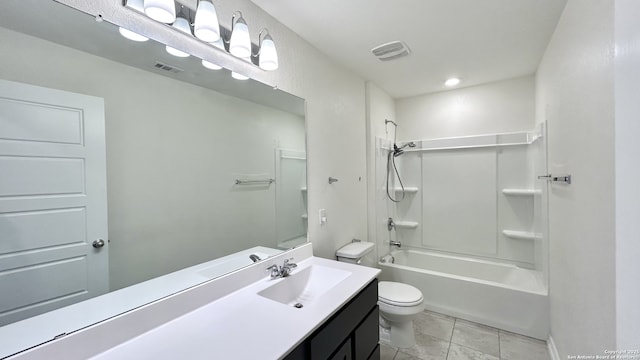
<point x="399" y="303"/>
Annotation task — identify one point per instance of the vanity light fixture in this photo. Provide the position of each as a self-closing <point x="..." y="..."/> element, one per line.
<point x="452" y="82"/>
<point x="240" y="42"/>
<point x="208" y="64"/>
<point x="267" y="54"/>
<point x="161" y="10"/>
<point x="239" y="76"/>
<point x="181" y="24"/>
<point x="207" y="29"/>
<point x="139" y="6"/>
<point x="206" y="26"/>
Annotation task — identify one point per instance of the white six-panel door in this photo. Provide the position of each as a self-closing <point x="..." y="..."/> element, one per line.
<point x="53" y="202"/>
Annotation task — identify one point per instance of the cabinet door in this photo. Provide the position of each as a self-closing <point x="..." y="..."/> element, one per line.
<point x="343" y="324"/>
<point x="367" y="335"/>
<point x="376" y="354"/>
<point x="344" y="352"/>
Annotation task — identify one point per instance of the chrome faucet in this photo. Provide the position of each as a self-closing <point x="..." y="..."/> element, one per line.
<point x="397" y="244"/>
<point x="287" y="267"/>
<point x="282" y="271"/>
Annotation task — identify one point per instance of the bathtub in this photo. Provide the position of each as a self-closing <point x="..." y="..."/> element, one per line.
<point x="501" y="295"/>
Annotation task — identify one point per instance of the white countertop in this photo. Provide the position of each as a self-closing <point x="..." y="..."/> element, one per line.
<point x="42" y="328"/>
<point x="243" y="324"/>
<point x="224" y="318"/>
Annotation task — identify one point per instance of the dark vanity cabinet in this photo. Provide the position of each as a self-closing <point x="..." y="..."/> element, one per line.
<point x="350" y="334"/>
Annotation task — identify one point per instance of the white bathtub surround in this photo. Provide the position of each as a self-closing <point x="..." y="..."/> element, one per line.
<point x="487" y="181"/>
<point x="213" y="320"/>
<point x="495" y="294"/>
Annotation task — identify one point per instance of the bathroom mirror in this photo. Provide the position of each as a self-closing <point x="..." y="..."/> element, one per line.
<point x="189" y="151"/>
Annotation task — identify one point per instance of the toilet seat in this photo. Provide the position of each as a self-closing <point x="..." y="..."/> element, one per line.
<point x="398" y="294"/>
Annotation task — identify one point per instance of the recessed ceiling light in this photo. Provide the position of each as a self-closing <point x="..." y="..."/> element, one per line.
<point x="452" y="82"/>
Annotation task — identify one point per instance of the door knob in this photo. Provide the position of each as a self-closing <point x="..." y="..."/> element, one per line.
<point x="98" y="243"/>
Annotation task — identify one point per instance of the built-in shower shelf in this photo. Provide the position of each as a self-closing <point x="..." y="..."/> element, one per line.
<point x="407" y="189"/>
<point x="523" y="235"/>
<point x="305" y="216"/>
<point x="521" y="192"/>
<point x="406" y="224"/>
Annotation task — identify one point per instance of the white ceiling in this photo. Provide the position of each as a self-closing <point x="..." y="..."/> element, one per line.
<point x="479" y="41"/>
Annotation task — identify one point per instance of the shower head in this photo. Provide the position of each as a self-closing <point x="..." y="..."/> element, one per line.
<point x="397" y="150"/>
<point x="410" y="144"/>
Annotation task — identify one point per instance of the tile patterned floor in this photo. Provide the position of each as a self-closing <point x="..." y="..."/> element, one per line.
<point x="441" y="337"/>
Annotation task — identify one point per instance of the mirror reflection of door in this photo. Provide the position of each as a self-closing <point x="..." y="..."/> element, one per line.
<point x="52" y="200"/>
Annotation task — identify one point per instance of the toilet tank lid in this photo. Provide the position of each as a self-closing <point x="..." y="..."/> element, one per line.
<point x="355" y="250"/>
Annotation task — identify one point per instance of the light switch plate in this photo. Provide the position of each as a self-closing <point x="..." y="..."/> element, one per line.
<point x="322" y="216"/>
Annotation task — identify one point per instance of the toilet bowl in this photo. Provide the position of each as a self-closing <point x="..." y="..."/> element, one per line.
<point x="398" y="303"/>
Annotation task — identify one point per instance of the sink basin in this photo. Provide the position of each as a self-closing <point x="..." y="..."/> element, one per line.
<point x="305" y="285"/>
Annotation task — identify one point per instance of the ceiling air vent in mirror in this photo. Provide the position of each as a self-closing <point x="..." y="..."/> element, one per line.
<point x="390" y="51"/>
<point x="169" y="68"/>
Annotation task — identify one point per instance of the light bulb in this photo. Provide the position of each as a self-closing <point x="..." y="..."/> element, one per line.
<point x="211" y="66"/>
<point x="176" y="52"/>
<point x="161" y="10"/>
<point x="183" y="25"/>
<point x="206" y="27"/>
<point x="240" y="42"/>
<point x="132" y="35"/>
<point x="268" y="54"/>
<point x="238" y="76"/>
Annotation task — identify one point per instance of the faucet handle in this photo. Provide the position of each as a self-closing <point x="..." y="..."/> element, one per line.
<point x="275" y="272"/>
<point x="287" y="263"/>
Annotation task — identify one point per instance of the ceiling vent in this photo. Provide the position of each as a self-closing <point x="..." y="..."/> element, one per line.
<point x="391" y="51"/>
<point x="169" y="68"/>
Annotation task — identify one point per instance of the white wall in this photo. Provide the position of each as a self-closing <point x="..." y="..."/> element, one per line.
<point x="627" y="173"/>
<point x="503" y="106"/>
<point x="173" y="152"/>
<point x="575" y="94"/>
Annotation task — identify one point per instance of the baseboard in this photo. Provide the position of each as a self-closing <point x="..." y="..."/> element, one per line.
<point x="553" y="351"/>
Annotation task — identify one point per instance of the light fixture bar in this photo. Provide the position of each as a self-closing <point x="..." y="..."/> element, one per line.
<point x="125" y="16"/>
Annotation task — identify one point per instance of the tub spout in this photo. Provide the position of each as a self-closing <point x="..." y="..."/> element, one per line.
<point x="397" y="244"/>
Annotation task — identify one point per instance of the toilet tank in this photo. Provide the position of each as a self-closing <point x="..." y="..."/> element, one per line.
<point x="360" y="252"/>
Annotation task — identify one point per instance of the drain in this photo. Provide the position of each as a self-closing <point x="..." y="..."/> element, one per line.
<point x="297" y="306"/>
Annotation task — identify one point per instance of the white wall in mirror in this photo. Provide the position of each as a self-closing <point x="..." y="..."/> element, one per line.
<point x="173" y="153"/>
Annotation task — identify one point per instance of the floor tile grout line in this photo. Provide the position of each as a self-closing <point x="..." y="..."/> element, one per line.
<point x="451" y="337"/>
